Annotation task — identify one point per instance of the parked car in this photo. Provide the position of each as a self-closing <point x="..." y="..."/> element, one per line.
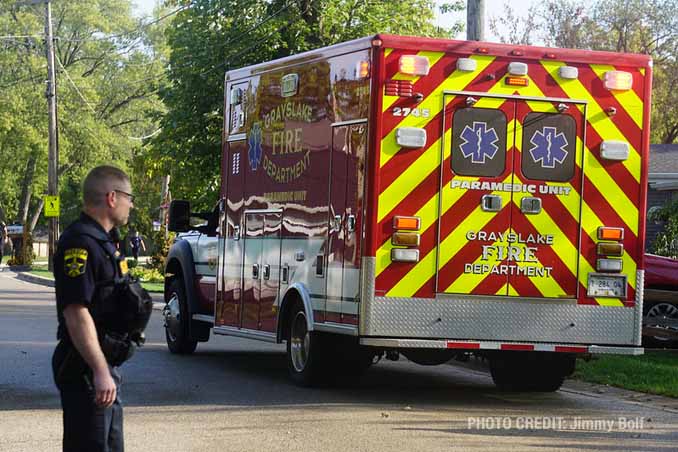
<point x="660" y="310"/>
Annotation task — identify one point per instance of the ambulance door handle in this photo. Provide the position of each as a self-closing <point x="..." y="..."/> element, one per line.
<point x="255" y="271"/>
<point x="267" y="272"/>
<point x="490" y="203"/>
<point x="350" y="223"/>
<point x="530" y="205"/>
<point x="337" y="223"/>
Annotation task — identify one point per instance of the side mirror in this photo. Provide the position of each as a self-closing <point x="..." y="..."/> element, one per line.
<point x="179" y="216"/>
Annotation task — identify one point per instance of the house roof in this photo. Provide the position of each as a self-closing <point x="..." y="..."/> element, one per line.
<point x="664" y="159"/>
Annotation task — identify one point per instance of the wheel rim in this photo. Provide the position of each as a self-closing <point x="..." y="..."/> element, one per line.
<point x="172" y="315"/>
<point x="663" y="310"/>
<point x="300" y="342"/>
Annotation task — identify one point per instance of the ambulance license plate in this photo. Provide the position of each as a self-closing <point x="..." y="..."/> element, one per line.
<point x="603" y="285"/>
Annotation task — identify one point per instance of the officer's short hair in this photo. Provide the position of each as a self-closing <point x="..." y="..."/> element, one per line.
<point x="100" y="181"/>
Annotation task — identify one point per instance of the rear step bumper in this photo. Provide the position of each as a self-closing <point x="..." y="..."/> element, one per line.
<point x="493" y="345"/>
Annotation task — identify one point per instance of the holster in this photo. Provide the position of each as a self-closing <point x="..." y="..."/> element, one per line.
<point x="68" y="367"/>
<point x="117" y="348"/>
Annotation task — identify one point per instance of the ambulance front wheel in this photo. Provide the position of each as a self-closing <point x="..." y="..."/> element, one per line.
<point x="530" y="372"/>
<point x="176" y="320"/>
<point x="305" y="350"/>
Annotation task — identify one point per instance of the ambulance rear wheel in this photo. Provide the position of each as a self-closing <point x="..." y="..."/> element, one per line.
<point x="531" y="372"/>
<point x="305" y="349"/>
<point x="176" y="320"/>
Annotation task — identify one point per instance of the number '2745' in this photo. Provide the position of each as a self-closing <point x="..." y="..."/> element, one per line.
<point x="416" y="112"/>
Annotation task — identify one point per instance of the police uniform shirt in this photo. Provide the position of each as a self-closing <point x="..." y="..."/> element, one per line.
<point x="79" y="263"/>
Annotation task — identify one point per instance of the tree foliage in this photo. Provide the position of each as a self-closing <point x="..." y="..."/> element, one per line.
<point x="108" y="73"/>
<point x="636" y="26"/>
<point x="214" y="36"/>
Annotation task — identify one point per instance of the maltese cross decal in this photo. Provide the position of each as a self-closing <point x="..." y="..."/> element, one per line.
<point x="548" y="147"/>
<point x="479" y="142"/>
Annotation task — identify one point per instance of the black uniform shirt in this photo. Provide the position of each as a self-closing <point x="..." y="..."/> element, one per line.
<point x="79" y="263"/>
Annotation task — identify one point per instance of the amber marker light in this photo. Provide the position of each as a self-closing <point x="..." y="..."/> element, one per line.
<point x="610" y="249"/>
<point x="405" y="239"/>
<point x="517" y="81"/>
<point x="608" y="233"/>
<point x="406" y="223"/>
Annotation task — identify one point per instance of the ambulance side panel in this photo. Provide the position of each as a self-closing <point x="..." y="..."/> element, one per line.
<point x="293" y="189"/>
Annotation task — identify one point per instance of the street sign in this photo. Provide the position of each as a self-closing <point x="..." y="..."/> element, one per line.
<point x="51" y="206"/>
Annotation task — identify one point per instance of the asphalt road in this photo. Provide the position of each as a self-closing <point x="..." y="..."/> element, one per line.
<point x="234" y="395"/>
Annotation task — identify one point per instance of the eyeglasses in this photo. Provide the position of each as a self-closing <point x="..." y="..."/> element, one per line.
<point x="130" y="196"/>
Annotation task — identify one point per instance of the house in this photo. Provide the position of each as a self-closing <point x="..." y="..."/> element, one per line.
<point x="663" y="185"/>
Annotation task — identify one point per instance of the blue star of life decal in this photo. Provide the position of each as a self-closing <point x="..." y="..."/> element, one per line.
<point x="254" y="141"/>
<point x="548" y="147"/>
<point x="479" y="142"/>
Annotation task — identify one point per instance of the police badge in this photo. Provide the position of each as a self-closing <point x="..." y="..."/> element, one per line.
<point x="75" y="261"/>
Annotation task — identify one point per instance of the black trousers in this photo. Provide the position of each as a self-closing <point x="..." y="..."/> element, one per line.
<point x="88" y="427"/>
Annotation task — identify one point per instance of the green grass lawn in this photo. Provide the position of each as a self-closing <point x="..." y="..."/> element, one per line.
<point x="41" y="270"/>
<point x="656" y="372"/>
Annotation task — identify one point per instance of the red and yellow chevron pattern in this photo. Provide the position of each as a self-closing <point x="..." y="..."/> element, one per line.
<point x="601" y="192"/>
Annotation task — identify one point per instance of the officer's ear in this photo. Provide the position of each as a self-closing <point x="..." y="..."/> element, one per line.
<point x="111" y="198"/>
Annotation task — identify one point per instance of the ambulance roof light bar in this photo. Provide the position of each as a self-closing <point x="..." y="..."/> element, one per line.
<point x="413" y="65"/>
<point x="618" y="80"/>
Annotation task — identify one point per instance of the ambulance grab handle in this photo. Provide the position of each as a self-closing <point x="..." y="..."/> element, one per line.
<point x="350" y="223"/>
<point x="490" y="203"/>
<point x="255" y="271"/>
<point x="267" y="272"/>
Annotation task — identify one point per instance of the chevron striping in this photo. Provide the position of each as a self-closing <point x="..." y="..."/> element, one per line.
<point x="458" y="80"/>
<point x="597" y="119"/>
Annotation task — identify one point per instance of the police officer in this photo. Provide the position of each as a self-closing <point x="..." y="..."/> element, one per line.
<point x="85" y="262"/>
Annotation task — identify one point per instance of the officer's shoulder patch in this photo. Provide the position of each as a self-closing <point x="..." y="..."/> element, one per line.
<point x="75" y="261"/>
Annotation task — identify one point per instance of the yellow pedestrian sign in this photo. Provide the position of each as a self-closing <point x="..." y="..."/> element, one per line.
<point x="51" y="206"/>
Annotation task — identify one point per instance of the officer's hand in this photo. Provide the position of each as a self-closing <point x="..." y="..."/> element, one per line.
<point x="105" y="389"/>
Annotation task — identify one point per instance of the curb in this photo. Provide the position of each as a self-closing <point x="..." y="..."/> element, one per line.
<point x="158" y="299"/>
<point x="35" y="279"/>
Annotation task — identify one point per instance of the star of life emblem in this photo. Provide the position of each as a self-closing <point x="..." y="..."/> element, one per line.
<point x="548" y="147"/>
<point x="479" y="142"/>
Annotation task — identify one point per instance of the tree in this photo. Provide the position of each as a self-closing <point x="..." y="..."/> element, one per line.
<point x="108" y="73"/>
<point x="637" y="26"/>
<point x="214" y="36"/>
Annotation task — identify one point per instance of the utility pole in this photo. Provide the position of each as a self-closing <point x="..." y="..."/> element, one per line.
<point x="53" y="151"/>
<point x="475" y="20"/>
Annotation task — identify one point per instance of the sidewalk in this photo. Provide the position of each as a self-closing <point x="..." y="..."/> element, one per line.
<point x="158" y="300"/>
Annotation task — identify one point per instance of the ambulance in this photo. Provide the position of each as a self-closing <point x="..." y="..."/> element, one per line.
<point x="427" y="198"/>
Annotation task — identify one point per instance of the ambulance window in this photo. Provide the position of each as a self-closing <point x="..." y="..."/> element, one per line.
<point x="549" y="146"/>
<point x="478" y="142"/>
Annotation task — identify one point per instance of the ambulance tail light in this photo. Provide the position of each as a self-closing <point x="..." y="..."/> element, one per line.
<point x="610" y="249"/>
<point x="609" y="265"/>
<point x="411" y="137"/>
<point x="413" y="65"/>
<point x="404" y="255"/>
<point x="401" y="223"/>
<point x="618" y="80"/>
<point x="609" y="233"/>
<point x="405" y="239"/>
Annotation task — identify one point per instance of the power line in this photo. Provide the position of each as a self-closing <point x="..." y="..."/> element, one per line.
<point x="74" y="85"/>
